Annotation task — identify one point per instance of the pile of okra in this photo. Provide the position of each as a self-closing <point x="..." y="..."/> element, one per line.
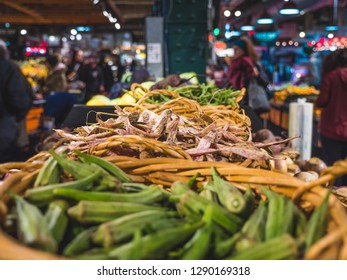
<point x="88" y="208"/>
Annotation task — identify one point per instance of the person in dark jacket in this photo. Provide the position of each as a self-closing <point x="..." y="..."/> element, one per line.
<point x="14" y="105"/>
<point x="333" y="100"/>
<point x="94" y="79"/>
<point x="107" y="73"/>
<point x="76" y="72"/>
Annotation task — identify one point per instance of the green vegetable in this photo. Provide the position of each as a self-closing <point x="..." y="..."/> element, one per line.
<point x="82" y="242"/>
<point x="149" y="196"/>
<point x="57" y="219"/>
<point x="198" y="247"/>
<point x="194" y="206"/>
<point x="44" y="195"/>
<point x="89" y="212"/>
<point x="229" y="196"/>
<point x="279" y="248"/>
<point x="111" y="168"/>
<point x="121" y="229"/>
<point x="32" y="227"/>
<point x="157" y="245"/>
<point x="317" y="224"/>
<point x="49" y="173"/>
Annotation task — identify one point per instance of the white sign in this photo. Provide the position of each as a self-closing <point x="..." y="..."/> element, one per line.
<point x="154" y="52"/>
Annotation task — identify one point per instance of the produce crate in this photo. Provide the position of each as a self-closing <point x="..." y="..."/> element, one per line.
<point x="165" y="171"/>
<point x="33" y="119"/>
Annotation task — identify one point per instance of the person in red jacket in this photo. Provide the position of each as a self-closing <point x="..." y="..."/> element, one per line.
<point x="242" y="67"/>
<point x="333" y="100"/>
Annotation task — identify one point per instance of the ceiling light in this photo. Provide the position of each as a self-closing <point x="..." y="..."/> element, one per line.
<point x="73" y="31"/>
<point x="112" y="19"/>
<point x="289" y="8"/>
<point x="106" y="13"/>
<point x="7" y="25"/>
<point x="265" y="19"/>
<point x="330" y="35"/>
<point x="95" y="2"/>
<point x="23" y="32"/>
<point x="64" y="39"/>
<point x="302" y="34"/>
<point x="247" y="28"/>
<point x="117" y="25"/>
<point x="227" y="13"/>
<point x="72" y="37"/>
<point x="51" y="38"/>
<point x="79" y="37"/>
<point x="296" y="44"/>
<point x="237" y="13"/>
<point x="332" y="28"/>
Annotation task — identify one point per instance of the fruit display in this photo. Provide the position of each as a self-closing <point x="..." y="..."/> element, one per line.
<point x="35" y="71"/>
<point x="85" y="207"/>
<point x="281" y="95"/>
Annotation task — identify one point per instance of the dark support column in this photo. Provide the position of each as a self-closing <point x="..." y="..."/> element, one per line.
<point x="185" y="36"/>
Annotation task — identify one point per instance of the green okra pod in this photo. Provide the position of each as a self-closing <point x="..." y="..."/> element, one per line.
<point x="90" y="212"/>
<point x="32" y="227"/>
<point x="49" y="173"/>
<point x="108" y="166"/>
<point x="283" y="247"/>
<point x="151" y="195"/>
<point x="81" y="243"/>
<point x="229" y="196"/>
<point x="121" y="229"/>
<point x="317" y="224"/>
<point x="44" y="195"/>
<point x="56" y="218"/>
<point x="156" y="245"/>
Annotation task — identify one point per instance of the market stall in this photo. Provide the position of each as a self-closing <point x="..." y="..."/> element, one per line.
<point x="158" y="180"/>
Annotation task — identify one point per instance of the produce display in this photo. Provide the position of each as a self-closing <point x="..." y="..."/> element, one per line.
<point x="87" y="207"/>
<point x="34" y="70"/>
<point x="180" y="128"/>
<point x="281" y="95"/>
<point x="172" y="180"/>
<point x="202" y="93"/>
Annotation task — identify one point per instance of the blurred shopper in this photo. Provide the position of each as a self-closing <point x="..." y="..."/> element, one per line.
<point x="94" y="79"/>
<point x="14" y="105"/>
<point x="242" y="68"/>
<point x="218" y="75"/>
<point x="333" y="100"/>
<point x="314" y="67"/>
<point x="107" y="73"/>
<point x="244" y="72"/>
<point x="76" y="72"/>
<point x="56" y="79"/>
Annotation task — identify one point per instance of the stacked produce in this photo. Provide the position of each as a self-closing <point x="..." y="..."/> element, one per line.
<point x="35" y="71"/>
<point x="90" y="209"/>
<point x="281" y="95"/>
<point x="204" y="94"/>
<point x="180" y="128"/>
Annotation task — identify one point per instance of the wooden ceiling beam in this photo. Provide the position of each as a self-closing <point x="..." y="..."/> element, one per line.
<point x="135" y="3"/>
<point x="22" y="9"/>
<point x="115" y="10"/>
<point x="51" y="2"/>
<point x="54" y="20"/>
<point x="128" y="16"/>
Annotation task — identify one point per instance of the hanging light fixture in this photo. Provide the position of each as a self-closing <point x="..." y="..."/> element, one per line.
<point x="265" y="18"/>
<point x="289" y="8"/>
<point x="334" y="26"/>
